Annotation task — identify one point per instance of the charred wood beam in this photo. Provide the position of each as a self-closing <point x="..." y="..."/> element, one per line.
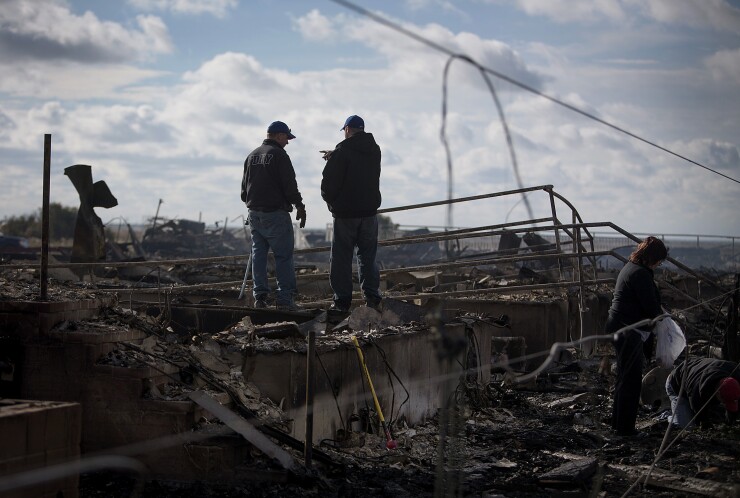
<point x="247" y="430"/>
<point x="666" y="480"/>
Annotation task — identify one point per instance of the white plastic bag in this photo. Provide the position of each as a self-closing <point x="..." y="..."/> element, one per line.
<point x="671" y="342"/>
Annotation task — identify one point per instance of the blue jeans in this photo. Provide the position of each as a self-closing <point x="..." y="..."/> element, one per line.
<point x="348" y="234"/>
<point x="681" y="412"/>
<point x="273" y="231"/>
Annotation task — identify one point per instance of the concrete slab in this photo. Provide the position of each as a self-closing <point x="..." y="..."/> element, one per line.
<point x="339" y="388"/>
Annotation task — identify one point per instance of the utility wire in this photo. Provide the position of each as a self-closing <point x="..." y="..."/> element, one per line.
<point x="524" y="86"/>
<point x="499" y="108"/>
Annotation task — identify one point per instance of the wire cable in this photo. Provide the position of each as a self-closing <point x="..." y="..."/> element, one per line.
<point x="441" y="48"/>
<point x="502" y="117"/>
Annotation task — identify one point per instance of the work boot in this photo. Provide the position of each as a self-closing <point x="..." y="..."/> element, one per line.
<point x="260" y="304"/>
<point x="338" y="308"/>
<point x="375" y="304"/>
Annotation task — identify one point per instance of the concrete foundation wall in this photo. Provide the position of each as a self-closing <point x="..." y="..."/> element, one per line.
<point x="413" y="356"/>
<point x="541" y="323"/>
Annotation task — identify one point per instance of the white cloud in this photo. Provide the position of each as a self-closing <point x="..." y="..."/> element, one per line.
<point x="410" y="60"/>
<point x="314" y="26"/>
<point x="435" y="4"/>
<point x="73" y="81"/>
<point x="48" y="30"/>
<point x="48" y="52"/>
<point x="722" y="156"/>
<point x="713" y="14"/>
<point x="710" y="14"/>
<point x="574" y="10"/>
<point x="186" y="143"/>
<point x="725" y="66"/>
<point x="217" y="8"/>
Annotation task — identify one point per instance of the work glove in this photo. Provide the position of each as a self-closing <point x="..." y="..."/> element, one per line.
<point x="300" y="214"/>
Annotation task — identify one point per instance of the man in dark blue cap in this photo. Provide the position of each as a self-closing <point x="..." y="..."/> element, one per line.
<point x="350" y="186"/>
<point x="269" y="190"/>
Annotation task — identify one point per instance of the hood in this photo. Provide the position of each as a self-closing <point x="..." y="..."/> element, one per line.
<point x="363" y="142"/>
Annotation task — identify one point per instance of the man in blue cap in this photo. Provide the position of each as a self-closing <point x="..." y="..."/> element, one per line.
<point x="350" y="186"/>
<point x="269" y="190"/>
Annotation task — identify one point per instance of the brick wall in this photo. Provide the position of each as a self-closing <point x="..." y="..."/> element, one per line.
<point x="36" y="434"/>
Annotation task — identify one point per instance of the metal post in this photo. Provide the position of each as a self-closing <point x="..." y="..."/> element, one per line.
<point x="45" y="220"/>
<point x="308" y="447"/>
<point x="555" y="221"/>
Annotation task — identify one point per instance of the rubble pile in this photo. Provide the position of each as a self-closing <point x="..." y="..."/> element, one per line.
<point x="23" y="285"/>
<point x="548" y="437"/>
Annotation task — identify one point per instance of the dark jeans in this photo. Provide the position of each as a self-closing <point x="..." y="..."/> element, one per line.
<point x="273" y="230"/>
<point x="630" y="360"/>
<point x="349" y="233"/>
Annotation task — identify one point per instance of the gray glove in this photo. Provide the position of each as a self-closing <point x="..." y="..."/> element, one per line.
<point x="300" y="214"/>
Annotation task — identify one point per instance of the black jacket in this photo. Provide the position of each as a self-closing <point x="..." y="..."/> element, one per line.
<point x="702" y="380"/>
<point x="636" y="297"/>
<point x="350" y="183"/>
<point x="269" y="179"/>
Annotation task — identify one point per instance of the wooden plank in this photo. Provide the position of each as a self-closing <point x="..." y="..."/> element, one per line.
<point x="667" y="480"/>
<point x="244" y="428"/>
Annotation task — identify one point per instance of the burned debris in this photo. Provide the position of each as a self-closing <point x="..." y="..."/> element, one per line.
<point x="89" y="239"/>
<point x="210" y="396"/>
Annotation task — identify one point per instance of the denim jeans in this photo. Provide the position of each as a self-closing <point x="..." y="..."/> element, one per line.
<point x="348" y="234"/>
<point x="273" y="231"/>
<point x="681" y="412"/>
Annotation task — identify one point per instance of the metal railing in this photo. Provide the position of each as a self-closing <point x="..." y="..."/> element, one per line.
<point x="573" y="247"/>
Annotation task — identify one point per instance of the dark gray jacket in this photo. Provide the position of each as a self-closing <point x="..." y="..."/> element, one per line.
<point x="350" y="183"/>
<point x="702" y="379"/>
<point x="636" y="297"/>
<point x="269" y="183"/>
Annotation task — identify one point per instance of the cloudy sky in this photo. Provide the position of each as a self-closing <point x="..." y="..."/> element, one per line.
<point x="164" y="98"/>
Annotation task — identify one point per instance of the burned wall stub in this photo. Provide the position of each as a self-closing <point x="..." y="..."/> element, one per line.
<point x="89" y="237"/>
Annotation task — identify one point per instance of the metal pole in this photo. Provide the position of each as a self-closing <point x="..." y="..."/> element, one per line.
<point x="463" y="199"/>
<point x="45" y="220"/>
<point x="308" y="447"/>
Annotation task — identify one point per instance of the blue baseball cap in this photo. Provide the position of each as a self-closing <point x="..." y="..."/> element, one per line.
<point x="354" y="121"/>
<point x="280" y="127"/>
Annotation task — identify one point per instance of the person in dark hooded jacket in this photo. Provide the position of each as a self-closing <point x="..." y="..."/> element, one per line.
<point x="350" y="186"/>
<point x="708" y="383"/>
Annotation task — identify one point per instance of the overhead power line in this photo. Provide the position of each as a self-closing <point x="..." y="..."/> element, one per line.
<point x="441" y="48"/>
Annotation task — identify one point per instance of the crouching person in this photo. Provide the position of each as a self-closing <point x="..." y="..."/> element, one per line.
<point x="709" y="386"/>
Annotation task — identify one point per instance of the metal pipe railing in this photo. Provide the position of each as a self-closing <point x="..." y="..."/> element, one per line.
<point x="572" y="230"/>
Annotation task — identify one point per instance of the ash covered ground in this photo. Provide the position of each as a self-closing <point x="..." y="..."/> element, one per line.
<point x="546" y="438"/>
